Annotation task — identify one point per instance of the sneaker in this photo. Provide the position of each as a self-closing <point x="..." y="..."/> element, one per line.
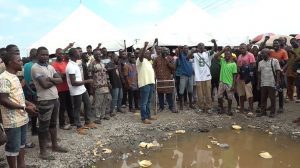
<point x="297" y="101"/>
<point x="81" y="131"/>
<point x="124" y="106"/>
<point x="65" y="127"/>
<point x="90" y="125"/>
<point x="146" y="121"/>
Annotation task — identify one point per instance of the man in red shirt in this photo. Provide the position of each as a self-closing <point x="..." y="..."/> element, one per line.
<point x="281" y="55"/>
<point x="63" y="90"/>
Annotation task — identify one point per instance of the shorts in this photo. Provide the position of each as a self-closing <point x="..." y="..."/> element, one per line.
<point x="244" y="89"/>
<point x="16" y="140"/>
<point x="223" y="87"/>
<point x="48" y="114"/>
<point x="186" y="83"/>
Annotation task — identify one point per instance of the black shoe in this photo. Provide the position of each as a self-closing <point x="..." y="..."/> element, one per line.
<point x="261" y="114"/>
<point x="280" y="110"/>
<point x="271" y="115"/>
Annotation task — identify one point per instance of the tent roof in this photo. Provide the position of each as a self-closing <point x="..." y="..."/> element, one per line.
<point x="189" y="25"/>
<point x="84" y="28"/>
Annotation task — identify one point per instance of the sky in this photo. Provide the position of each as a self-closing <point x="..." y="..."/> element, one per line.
<point x="23" y="22"/>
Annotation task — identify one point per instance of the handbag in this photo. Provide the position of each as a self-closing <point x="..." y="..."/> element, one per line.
<point x="3" y="137"/>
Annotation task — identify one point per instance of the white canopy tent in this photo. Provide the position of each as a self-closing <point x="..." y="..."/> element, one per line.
<point x="189" y="25"/>
<point x="84" y="28"/>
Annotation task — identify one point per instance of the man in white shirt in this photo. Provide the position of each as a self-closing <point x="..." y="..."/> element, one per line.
<point x="79" y="93"/>
<point x="202" y="62"/>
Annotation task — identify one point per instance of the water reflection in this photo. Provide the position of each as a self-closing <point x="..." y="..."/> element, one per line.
<point x="190" y="151"/>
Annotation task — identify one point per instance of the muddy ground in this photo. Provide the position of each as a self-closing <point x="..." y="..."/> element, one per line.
<point x="125" y="131"/>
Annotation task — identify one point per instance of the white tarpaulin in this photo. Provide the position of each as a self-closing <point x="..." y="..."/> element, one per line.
<point x="84" y="28"/>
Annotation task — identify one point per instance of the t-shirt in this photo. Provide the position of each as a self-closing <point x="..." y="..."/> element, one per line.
<point x="12" y="118"/>
<point x="202" y="62"/>
<point x="27" y="72"/>
<point x="73" y="68"/>
<point x="280" y="55"/>
<point x="60" y="67"/>
<point x="130" y="72"/>
<point x="265" y="69"/>
<point x="45" y="71"/>
<point x="227" y="71"/>
<point x="244" y="60"/>
<point x="145" y="72"/>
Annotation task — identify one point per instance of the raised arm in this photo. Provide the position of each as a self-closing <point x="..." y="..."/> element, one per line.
<point x="142" y="53"/>
<point x="215" y="49"/>
<point x="263" y="44"/>
<point x="68" y="47"/>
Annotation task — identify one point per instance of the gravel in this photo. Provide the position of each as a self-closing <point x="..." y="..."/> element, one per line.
<point x="125" y="131"/>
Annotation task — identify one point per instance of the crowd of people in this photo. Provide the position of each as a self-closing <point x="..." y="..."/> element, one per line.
<point x="45" y="90"/>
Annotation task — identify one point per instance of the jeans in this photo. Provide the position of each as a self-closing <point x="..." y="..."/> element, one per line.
<point x="186" y="83"/>
<point x="65" y="104"/>
<point x="161" y="99"/>
<point x="88" y="115"/>
<point x="146" y="95"/>
<point x="125" y="94"/>
<point x="16" y="139"/>
<point x="133" y="95"/>
<point x="117" y="96"/>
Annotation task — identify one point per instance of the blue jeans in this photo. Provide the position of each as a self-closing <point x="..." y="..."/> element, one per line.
<point x="117" y="96"/>
<point x="161" y="99"/>
<point x="16" y="139"/>
<point x="146" y="94"/>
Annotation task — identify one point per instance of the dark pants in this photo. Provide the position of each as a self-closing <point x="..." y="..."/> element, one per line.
<point x="298" y="86"/>
<point x="161" y="99"/>
<point x="65" y="104"/>
<point x="125" y="94"/>
<point x="88" y="115"/>
<point x="290" y="87"/>
<point x="117" y="96"/>
<point x="146" y="97"/>
<point x="280" y="94"/>
<point x="133" y="95"/>
<point x="268" y="92"/>
<point x="48" y="111"/>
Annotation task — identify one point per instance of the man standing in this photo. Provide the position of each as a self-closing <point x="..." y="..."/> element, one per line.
<point x="122" y="62"/>
<point x="186" y="76"/>
<point x="14" y="110"/>
<point x="29" y="88"/>
<point x="268" y="80"/>
<point x="246" y="66"/>
<point x="281" y="55"/>
<point x="164" y="67"/>
<point x="146" y="83"/>
<point x="114" y="74"/>
<point x="202" y="62"/>
<point x="100" y="87"/>
<point x="79" y="93"/>
<point x="293" y="54"/>
<point x="65" y="101"/>
<point x="45" y="78"/>
<point x="131" y="80"/>
<point x="227" y="78"/>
